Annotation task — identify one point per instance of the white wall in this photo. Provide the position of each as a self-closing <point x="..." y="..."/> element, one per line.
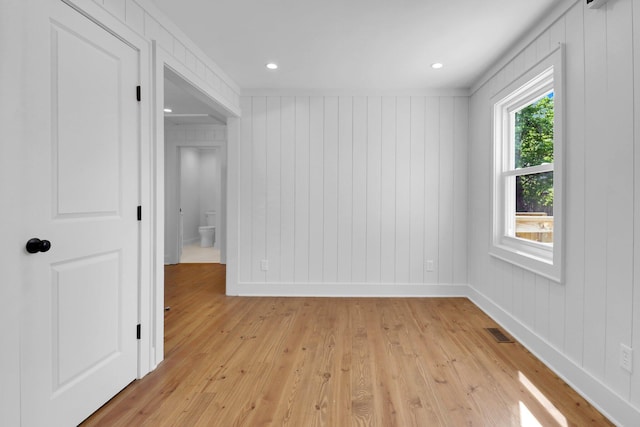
<point x="210" y="180"/>
<point x="199" y="188"/>
<point x="341" y="193"/>
<point x="197" y="138"/>
<point x="190" y="192"/>
<point x="577" y="326"/>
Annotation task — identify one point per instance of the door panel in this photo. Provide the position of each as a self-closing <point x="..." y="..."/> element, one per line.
<point x="79" y="348"/>
<point x="79" y="332"/>
<point x="86" y="168"/>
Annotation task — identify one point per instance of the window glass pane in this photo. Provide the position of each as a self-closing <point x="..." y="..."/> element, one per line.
<point x="534" y="133"/>
<point x="534" y="207"/>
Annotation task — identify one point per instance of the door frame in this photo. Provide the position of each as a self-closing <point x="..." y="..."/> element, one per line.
<point x="173" y="244"/>
<point x="14" y="17"/>
<point x="162" y="59"/>
<point x="173" y="150"/>
<point x="104" y="19"/>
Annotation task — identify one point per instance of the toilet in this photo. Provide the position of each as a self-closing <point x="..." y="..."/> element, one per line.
<point x="208" y="232"/>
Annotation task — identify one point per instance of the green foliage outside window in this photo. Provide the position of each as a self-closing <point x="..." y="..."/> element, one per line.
<point x="533" y="147"/>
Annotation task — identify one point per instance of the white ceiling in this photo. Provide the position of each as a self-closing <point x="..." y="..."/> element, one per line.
<point x="355" y="44"/>
<point x="185" y="104"/>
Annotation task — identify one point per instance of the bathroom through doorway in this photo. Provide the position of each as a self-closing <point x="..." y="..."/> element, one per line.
<point x="195" y="136"/>
<point x="199" y="203"/>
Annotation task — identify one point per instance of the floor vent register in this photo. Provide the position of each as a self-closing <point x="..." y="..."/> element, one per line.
<point x="499" y="335"/>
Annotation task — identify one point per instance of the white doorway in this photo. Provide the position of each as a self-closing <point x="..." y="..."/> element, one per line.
<point x="194" y="174"/>
<point x="166" y="67"/>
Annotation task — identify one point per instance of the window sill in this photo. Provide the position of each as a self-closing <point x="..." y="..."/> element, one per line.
<point x="538" y="261"/>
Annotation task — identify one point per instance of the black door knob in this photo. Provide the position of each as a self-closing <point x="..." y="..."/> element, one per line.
<point x="36" y="245"/>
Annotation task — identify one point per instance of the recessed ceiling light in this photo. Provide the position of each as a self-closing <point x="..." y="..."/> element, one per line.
<point x="272" y="66"/>
<point x="168" y="110"/>
<point x="437" y="65"/>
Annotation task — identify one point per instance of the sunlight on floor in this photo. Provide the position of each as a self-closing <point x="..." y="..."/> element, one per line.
<point x="193" y="253"/>
<point x="527" y="419"/>
<point x="540" y="397"/>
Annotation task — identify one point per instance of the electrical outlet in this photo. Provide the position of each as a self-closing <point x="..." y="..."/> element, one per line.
<point x="428" y="265"/>
<point x="626" y="354"/>
<point x="264" y="265"/>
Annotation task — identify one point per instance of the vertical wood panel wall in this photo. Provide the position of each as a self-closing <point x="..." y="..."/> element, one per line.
<point x="339" y="193"/>
<point x="584" y="320"/>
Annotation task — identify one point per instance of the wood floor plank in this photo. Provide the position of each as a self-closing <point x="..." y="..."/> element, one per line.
<point x="234" y="361"/>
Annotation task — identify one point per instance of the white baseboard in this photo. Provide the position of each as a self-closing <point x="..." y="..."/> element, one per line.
<point x="348" y="290"/>
<point x="613" y="406"/>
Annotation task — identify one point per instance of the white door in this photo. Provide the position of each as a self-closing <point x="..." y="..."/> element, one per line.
<point x="79" y="345"/>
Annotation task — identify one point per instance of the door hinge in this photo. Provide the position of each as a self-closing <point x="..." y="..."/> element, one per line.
<point x="138" y="93"/>
<point x="138" y="331"/>
<point x="139" y="213"/>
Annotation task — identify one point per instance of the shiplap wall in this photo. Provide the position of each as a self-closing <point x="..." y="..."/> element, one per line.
<point x="352" y="191"/>
<point x="584" y="319"/>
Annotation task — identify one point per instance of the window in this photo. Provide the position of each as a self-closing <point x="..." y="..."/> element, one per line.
<point x="527" y="166"/>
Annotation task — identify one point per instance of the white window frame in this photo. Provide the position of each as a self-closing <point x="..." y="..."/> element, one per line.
<point x="540" y="258"/>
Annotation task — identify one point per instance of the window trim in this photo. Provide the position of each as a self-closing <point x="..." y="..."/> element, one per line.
<point x="543" y="259"/>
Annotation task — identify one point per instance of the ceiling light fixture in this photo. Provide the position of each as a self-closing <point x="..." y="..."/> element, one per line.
<point x="272" y="66"/>
<point x="168" y="110"/>
<point x="437" y="65"/>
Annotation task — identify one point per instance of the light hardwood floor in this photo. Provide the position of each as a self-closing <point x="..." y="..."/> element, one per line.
<point x="237" y="361"/>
